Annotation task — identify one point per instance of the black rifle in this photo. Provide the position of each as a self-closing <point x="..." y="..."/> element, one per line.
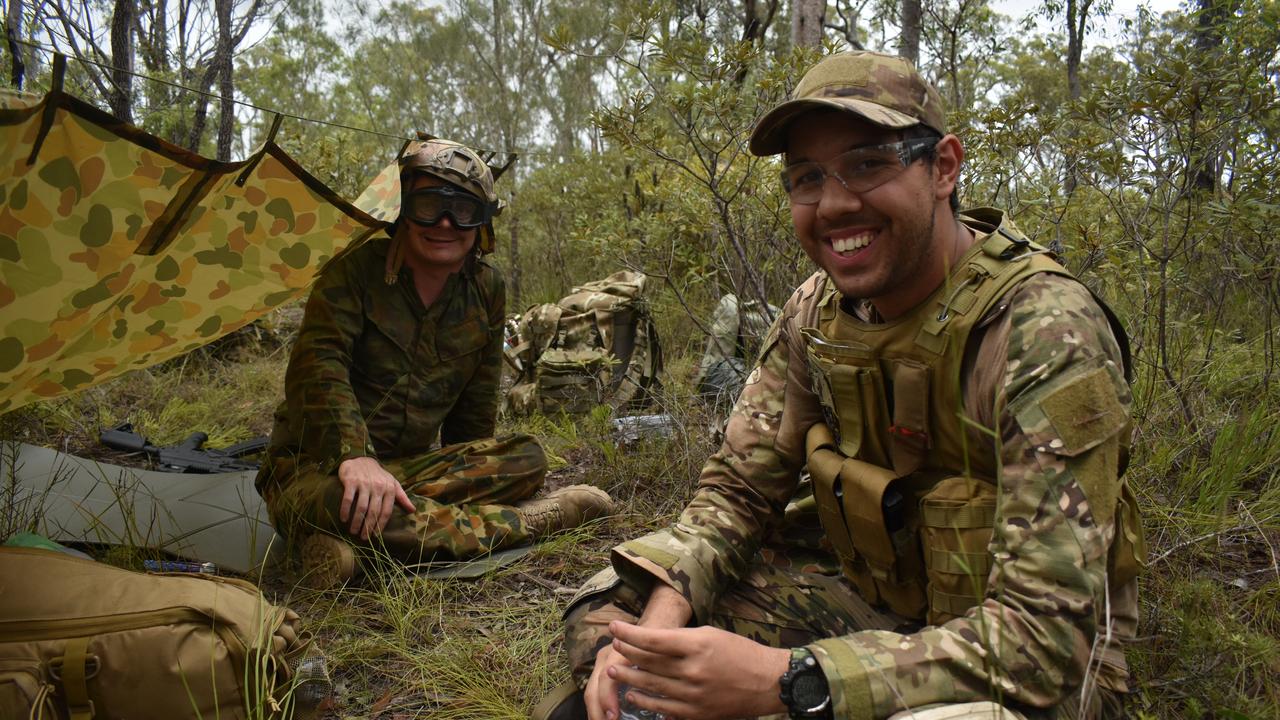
<point x="190" y="455"/>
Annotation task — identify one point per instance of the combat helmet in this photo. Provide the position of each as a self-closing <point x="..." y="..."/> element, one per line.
<point x="459" y="165"/>
<point x="452" y="162"/>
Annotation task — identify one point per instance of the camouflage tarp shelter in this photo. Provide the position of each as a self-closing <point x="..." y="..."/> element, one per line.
<point x="119" y="250"/>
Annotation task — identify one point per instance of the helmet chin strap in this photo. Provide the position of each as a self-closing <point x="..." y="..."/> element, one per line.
<point x="395" y="257"/>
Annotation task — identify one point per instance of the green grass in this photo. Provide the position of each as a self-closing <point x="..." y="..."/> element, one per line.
<point x="407" y="646"/>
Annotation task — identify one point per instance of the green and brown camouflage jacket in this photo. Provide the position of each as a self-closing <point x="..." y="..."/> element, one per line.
<point x="374" y="373"/>
<point x="1042" y="630"/>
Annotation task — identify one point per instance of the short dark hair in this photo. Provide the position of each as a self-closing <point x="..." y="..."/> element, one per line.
<point x="920" y="132"/>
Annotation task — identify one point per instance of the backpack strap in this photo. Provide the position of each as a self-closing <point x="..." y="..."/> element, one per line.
<point x="623" y="340"/>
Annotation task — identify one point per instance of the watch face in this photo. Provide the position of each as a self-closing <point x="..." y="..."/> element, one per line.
<point x="809" y="689"/>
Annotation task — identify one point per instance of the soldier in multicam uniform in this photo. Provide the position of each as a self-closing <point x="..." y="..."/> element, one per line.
<point x="401" y="344"/>
<point x="962" y="406"/>
<point x="737" y="329"/>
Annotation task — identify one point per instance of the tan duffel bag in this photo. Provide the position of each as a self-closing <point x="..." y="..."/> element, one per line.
<point x="81" y="640"/>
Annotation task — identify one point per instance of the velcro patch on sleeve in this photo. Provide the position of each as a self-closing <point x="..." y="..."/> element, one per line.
<point x="1083" y="413"/>
<point x="655" y="555"/>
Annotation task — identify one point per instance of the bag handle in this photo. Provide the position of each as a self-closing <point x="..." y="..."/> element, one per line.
<point x="73" y="671"/>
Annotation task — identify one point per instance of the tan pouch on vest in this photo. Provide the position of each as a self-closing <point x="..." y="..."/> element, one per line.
<point x="1128" y="555"/>
<point x="956" y="520"/>
<point x="82" y="640"/>
<point x="883" y="561"/>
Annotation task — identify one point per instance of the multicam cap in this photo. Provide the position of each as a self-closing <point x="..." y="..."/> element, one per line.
<point x="884" y="89"/>
<point x="450" y="161"/>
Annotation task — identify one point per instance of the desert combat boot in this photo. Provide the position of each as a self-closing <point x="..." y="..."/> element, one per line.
<point x="327" y="562"/>
<point x="565" y="508"/>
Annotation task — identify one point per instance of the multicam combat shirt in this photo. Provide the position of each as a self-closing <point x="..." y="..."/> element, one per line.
<point x="375" y="373"/>
<point x="1038" y="638"/>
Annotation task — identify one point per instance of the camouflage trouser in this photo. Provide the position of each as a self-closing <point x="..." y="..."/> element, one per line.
<point x="463" y="494"/>
<point x="771" y="605"/>
<point x="777" y="606"/>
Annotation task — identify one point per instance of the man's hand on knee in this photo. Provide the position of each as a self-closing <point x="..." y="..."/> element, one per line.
<point x="369" y="493"/>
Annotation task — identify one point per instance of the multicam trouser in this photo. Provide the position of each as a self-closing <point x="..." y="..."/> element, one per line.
<point x="776" y="606"/>
<point x="771" y="605"/>
<point x="463" y="494"/>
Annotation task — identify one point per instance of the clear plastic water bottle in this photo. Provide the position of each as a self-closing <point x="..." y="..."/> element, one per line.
<point x="311" y="685"/>
<point x="627" y="711"/>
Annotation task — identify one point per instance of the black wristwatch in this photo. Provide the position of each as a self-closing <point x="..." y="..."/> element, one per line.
<point x="804" y="687"/>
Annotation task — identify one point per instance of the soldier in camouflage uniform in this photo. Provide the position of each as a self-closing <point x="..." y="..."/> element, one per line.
<point x="962" y="406"/>
<point x="401" y="345"/>
<point x="737" y="328"/>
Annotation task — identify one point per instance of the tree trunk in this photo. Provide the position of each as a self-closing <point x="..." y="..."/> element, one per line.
<point x="755" y="22"/>
<point x="513" y="241"/>
<point x="13" y="31"/>
<point x="757" y="17"/>
<point x="153" y="50"/>
<point x="806" y="22"/>
<point x="199" y="116"/>
<point x="120" y="100"/>
<point x="1203" y="165"/>
<point x="909" y="41"/>
<point x="222" y="59"/>
<point x="1077" y="11"/>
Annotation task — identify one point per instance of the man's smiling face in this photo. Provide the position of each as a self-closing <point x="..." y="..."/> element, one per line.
<point x="442" y="244"/>
<point x="879" y="244"/>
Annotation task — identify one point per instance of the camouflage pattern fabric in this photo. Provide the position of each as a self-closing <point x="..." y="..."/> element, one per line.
<point x="374" y="373"/>
<point x="885" y="89"/>
<point x="463" y="494"/>
<point x="597" y="345"/>
<point x="773" y="606"/>
<point x="119" y="250"/>
<point x="736" y="331"/>
<point x="1048" y="636"/>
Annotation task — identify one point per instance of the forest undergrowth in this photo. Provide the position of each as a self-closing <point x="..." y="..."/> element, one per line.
<point x="403" y="646"/>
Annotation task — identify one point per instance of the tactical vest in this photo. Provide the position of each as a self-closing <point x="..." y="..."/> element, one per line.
<point x="905" y="496"/>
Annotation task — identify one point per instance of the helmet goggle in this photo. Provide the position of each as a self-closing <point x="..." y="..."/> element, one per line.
<point x="425" y="206"/>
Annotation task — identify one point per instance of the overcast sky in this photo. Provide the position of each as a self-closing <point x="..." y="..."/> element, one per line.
<point x="1016" y="9"/>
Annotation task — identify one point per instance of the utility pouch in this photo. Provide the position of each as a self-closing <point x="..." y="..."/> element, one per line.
<point x="846" y="375"/>
<point x="868" y="514"/>
<point x="1128" y="555"/>
<point x="956" y="521"/>
<point x="82" y="640"/>
<point x="25" y="691"/>
<point x="571" y="381"/>
<point x="523" y="398"/>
